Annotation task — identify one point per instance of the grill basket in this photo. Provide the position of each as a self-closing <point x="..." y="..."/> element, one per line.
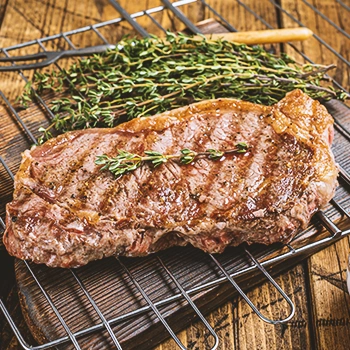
<point x="178" y="281"/>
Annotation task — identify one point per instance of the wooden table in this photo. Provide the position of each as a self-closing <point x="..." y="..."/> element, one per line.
<point x="317" y="286"/>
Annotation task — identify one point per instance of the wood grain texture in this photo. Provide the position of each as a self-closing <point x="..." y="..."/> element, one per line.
<point x="331" y="301"/>
<point x="325" y="32"/>
<point x="326" y="269"/>
<point x="317" y="287"/>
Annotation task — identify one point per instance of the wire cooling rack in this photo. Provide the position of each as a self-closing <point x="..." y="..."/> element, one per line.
<point x="218" y="270"/>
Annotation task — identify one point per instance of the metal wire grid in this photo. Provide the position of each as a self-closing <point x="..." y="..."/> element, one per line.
<point x="335" y="232"/>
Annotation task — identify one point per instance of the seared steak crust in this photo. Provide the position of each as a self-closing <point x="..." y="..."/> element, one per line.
<point x="66" y="212"/>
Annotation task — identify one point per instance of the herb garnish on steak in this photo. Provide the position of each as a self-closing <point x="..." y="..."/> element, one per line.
<point x="125" y="161"/>
<point x="66" y="212"/>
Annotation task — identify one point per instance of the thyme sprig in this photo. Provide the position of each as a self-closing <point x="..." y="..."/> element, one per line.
<point x="143" y="77"/>
<point x="125" y="161"/>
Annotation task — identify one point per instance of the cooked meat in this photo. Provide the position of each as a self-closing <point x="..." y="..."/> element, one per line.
<point x="67" y="212"/>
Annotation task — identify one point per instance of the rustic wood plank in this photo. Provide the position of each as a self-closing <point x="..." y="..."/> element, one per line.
<point x="254" y="333"/>
<point x="330" y="298"/>
<point x="239" y="328"/>
<point x="312" y="47"/>
<point x="104" y="281"/>
<point x="8" y="340"/>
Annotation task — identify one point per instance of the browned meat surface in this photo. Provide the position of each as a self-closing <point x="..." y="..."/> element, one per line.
<point x="66" y="212"/>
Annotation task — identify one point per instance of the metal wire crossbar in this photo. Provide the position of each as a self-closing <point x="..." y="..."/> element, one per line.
<point x="225" y="276"/>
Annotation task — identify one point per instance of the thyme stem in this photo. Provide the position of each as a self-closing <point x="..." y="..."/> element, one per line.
<point x="126" y="162"/>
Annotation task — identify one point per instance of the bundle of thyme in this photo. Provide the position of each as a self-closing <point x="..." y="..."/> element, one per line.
<point x="142" y="77"/>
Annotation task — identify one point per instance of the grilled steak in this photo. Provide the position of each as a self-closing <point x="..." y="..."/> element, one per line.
<point x="67" y="212"/>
